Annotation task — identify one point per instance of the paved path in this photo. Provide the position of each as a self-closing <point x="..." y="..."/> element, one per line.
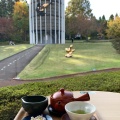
<point x="12" y="66"/>
<point x="12" y="82"/>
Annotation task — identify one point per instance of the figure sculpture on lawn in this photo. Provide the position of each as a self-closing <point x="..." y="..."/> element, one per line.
<point x="69" y="51"/>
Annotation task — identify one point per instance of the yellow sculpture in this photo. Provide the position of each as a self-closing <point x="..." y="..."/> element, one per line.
<point x="69" y="51"/>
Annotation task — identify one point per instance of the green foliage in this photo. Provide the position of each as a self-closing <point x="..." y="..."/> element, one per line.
<point x="77" y="16"/>
<point x="111" y="17"/>
<point x="6" y="8"/>
<point x="116" y="44"/>
<point x="10" y="97"/>
<point x="77" y="7"/>
<point x="21" y="20"/>
<point x="113" y="31"/>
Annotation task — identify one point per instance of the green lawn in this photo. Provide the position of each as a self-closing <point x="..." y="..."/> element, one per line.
<point x="51" y="61"/>
<point x="8" y="50"/>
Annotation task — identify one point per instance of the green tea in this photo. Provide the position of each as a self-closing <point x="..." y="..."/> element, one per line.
<point x="79" y="111"/>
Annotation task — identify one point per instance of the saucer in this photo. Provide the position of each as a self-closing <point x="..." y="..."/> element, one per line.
<point x="54" y="112"/>
<point x="29" y="117"/>
<point x="66" y="117"/>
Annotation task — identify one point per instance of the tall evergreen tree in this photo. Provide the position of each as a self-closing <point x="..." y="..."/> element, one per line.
<point x="111" y="17"/>
<point x="116" y="15"/>
<point x="103" y="18"/>
<point x="100" y="18"/>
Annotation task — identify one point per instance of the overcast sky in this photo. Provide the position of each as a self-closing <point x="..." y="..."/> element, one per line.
<point x="103" y="7"/>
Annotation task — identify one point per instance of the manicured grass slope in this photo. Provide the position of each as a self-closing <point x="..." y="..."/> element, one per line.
<point x="10" y="97"/>
<point x="51" y="61"/>
<point x="8" y="50"/>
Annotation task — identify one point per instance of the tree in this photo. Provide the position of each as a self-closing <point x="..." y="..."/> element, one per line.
<point x="10" y="30"/>
<point x="76" y="7"/>
<point x="93" y="27"/>
<point x="77" y="15"/>
<point x="70" y="27"/>
<point x="103" y="18"/>
<point x="113" y="31"/>
<point x="116" y="15"/>
<point x="100" y="18"/>
<point x="21" y="19"/>
<point x="6" y="8"/>
<point x="111" y="17"/>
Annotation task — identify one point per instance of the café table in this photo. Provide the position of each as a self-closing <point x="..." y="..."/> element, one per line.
<point x="107" y="105"/>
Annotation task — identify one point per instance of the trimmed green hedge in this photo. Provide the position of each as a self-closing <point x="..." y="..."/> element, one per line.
<point x="10" y="97"/>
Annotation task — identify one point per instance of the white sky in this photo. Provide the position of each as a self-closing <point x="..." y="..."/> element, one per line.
<point x="103" y="7"/>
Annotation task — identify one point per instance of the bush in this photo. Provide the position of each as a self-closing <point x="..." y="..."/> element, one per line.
<point x="116" y="44"/>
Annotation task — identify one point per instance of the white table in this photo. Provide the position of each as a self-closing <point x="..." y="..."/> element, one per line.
<point x="107" y="104"/>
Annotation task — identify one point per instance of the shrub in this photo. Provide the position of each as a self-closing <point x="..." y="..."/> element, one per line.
<point x="113" y="31"/>
<point x="116" y="44"/>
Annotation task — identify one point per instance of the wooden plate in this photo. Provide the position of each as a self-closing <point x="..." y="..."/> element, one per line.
<point x="66" y="117"/>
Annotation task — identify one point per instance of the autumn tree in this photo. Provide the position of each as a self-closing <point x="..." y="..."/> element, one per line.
<point x="77" y="16"/>
<point x="77" y="7"/>
<point x="101" y="27"/>
<point x="6" y="7"/>
<point x="21" y="20"/>
<point x="113" y="31"/>
<point x="6" y="29"/>
<point x="93" y="27"/>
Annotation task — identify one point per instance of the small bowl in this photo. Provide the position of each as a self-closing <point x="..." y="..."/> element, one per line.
<point x="34" y="105"/>
<point x="72" y="107"/>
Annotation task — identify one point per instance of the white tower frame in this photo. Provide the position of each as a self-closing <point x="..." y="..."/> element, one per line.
<point x="44" y="31"/>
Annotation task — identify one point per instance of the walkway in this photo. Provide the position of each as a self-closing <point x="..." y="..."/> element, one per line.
<point x="4" y="83"/>
<point x="12" y="66"/>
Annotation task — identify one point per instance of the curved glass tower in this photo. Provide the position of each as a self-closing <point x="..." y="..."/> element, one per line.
<point x="47" y="22"/>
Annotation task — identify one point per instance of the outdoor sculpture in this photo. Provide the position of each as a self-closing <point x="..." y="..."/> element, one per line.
<point x="69" y="51"/>
<point x="41" y="8"/>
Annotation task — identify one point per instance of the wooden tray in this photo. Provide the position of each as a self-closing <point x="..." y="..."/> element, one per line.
<point x="21" y="114"/>
<point x="66" y="117"/>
